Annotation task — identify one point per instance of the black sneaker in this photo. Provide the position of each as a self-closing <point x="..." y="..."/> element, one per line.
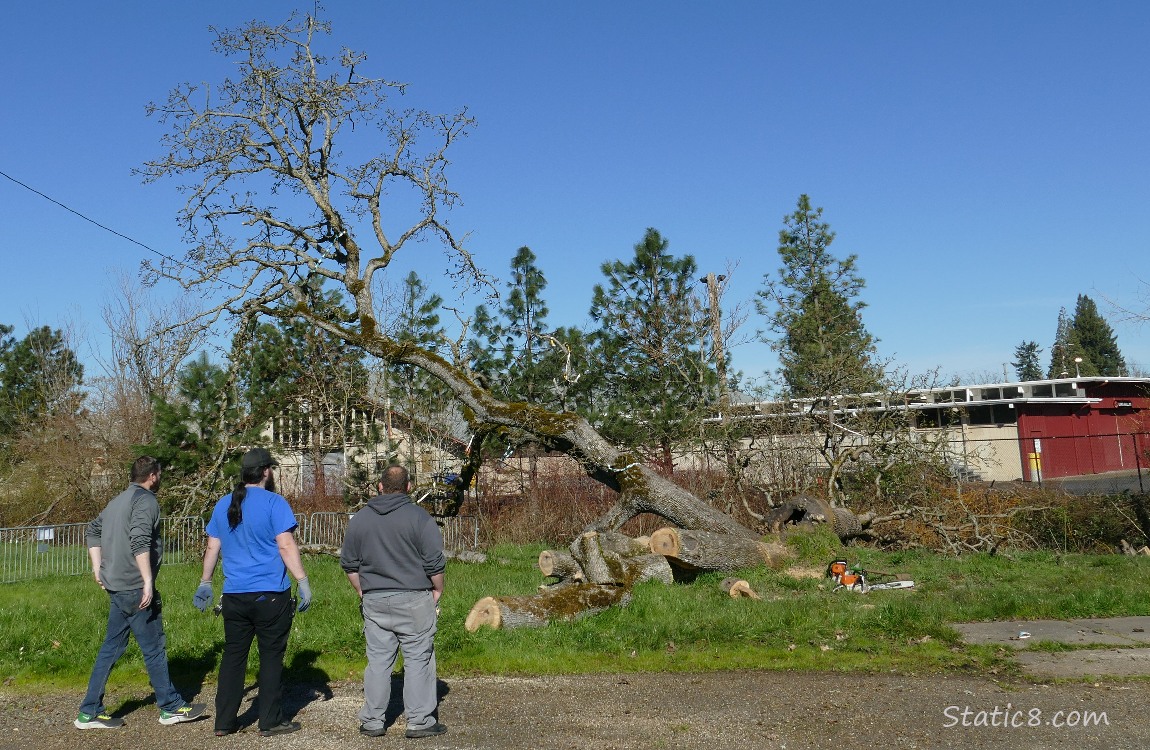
<point x="99" y="721"/>
<point x="377" y="732"/>
<point x="432" y="731"/>
<point x="190" y="712"/>
<point x="286" y="727"/>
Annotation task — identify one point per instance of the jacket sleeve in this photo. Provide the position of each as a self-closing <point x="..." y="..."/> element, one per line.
<point x="93" y="535"/>
<point x="349" y="556"/>
<point x="431" y="543"/>
<point x="145" y="516"/>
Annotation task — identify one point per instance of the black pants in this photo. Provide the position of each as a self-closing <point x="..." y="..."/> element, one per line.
<point x="267" y="617"/>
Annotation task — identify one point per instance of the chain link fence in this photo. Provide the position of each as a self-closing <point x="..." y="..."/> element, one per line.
<point x="28" y="552"/>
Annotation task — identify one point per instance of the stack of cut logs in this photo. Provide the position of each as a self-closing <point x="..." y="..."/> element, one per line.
<point x="600" y="569"/>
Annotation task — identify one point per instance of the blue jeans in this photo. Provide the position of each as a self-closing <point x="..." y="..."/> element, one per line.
<point x="396" y="621"/>
<point x="124" y="617"/>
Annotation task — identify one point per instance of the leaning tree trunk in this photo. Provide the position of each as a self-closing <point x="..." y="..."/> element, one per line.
<point x="641" y="490"/>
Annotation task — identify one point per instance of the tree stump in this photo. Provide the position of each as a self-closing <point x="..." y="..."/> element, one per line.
<point x="736" y="588"/>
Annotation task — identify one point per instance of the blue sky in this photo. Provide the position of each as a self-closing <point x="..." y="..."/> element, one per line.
<point x="986" y="161"/>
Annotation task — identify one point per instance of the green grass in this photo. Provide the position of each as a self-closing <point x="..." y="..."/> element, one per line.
<point x="51" y="628"/>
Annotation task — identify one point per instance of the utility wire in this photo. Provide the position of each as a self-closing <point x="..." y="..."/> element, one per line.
<point x="91" y="220"/>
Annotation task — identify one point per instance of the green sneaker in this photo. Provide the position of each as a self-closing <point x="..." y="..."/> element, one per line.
<point x="100" y="721"/>
<point x="189" y="712"/>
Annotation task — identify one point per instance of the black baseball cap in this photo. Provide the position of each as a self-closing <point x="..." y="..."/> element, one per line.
<point x="257" y="458"/>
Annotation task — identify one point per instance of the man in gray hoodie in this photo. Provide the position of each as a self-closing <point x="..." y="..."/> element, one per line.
<point x="125" y="548"/>
<point x="393" y="557"/>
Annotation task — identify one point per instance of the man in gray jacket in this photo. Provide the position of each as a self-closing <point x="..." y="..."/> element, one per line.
<point x="124" y="546"/>
<point x="393" y="557"/>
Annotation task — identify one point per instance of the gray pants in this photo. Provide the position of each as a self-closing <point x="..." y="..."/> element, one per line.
<point x="399" y="621"/>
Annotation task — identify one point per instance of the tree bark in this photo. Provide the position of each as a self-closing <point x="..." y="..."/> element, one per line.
<point x="704" y="551"/>
<point x="558" y="564"/>
<point x="565" y="602"/>
<point x="809" y="511"/>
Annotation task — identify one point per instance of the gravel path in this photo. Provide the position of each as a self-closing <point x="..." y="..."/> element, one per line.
<point x="711" y="711"/>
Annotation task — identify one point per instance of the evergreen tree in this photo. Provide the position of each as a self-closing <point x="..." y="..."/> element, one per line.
<point x="524" y="313"/>
<point x="813" y="308"/>
<point x="1026" y="361"/>
<point x="199" y="434"/>
<point x="656" y="378"/>
<point x="39" y="376"/>
<point x="507" y="347"/>
<point x="1063" y="350"/>
<point x="1095" y="340"/>
<point x="422" y="401"/>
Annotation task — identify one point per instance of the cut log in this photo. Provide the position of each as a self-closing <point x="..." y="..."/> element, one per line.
<point x="620" y="543"/>
<point x="737" y="588"/>
<point x="563" y="602"/>
<point x="808" y="511"/>
<point x="702" y="550"/>
<point x="557" y="564"/>
<point x="606" y="566"/>
<point x="1128" y="549"/>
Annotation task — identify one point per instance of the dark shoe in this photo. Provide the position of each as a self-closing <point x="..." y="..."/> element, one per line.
<point x="224" y="732"/>
<point x="285" y="728"/>
<point x="379" y="732"/>
<point x="434" y="730"/>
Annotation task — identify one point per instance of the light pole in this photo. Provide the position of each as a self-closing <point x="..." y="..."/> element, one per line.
<point x="1077" y="372"/>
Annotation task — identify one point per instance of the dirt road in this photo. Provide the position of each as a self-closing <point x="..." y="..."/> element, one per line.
<point x="713" y="711"/>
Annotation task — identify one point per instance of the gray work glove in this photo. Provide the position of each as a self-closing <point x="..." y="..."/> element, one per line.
<point x="304" y="593"/>
<point x="203" y="596"/>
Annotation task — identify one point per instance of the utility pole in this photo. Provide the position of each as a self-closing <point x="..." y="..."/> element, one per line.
<point x="720" y="356"/>
<point x="716" y="318"/>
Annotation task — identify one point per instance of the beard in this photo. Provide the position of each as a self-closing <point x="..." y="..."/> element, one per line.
<point x="270" y="485"/>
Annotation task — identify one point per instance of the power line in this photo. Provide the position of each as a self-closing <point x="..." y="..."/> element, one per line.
<point x="91" y="220"/>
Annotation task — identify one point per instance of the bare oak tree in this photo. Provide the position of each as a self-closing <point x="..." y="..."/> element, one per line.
<point x="281" y="188"/>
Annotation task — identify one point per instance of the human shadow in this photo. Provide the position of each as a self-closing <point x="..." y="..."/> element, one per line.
<point x="395" y="704"/>
<point x="303" y="683"/>
<point x="188" y="674"/>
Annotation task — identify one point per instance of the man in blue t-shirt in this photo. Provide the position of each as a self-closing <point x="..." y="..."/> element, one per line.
<point x="252" y="530"/>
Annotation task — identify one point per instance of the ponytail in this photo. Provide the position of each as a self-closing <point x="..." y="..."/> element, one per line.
<point x="235" y="513"/>
<point x="248" y="475"/>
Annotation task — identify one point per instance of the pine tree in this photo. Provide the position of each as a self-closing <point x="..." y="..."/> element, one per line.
<point x="198" y="434"/>
<point x="1026" y="361"/>
<point x="1062" y="351"/>
<point x="656" y="379"/>
<point x="39" y="375"/>
<point x="507" y="347"/>
<point x="419" y="399"/>
<point x="1095" y="340"/>
<point x="812" y="306"/>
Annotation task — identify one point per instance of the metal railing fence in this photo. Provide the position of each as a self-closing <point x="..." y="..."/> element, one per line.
<point x="60" y="549"/>
<point x="28" y="552"/>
